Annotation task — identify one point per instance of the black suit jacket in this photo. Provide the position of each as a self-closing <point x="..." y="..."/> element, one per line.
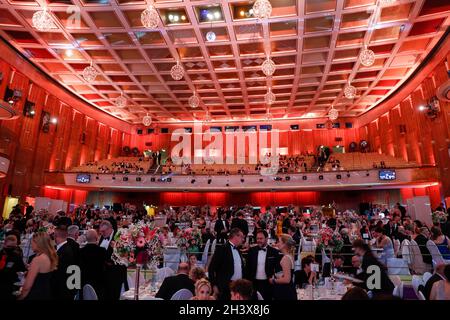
<point x="221" y="267"/>
<point x="240" y="224"/>
<point x="172" y="284"/>
<point x="429" y="285"/>
<point x="67" y="256"/>
<point x="421" y="240"/>
<point x="386" y="284"/>
<point x="273" y="257"/>
<point x="92" y="265"/>
<point x="218" y="227"/>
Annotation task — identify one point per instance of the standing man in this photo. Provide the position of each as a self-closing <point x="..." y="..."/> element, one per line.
<point x="227" y="264"/>
<point x="221" y="228"/>
<point x="115" y="275"/>
<point x="262" y="260"/>
<point x="240" y="223"/>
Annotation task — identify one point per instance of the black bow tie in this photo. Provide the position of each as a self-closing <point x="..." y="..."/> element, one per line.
<point x="262" y="249"/>
<point x="233" y="246"/>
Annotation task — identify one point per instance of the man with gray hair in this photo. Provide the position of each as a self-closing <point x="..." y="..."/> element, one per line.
<point x="73" y="232"/>
<point x="92" y="263"/>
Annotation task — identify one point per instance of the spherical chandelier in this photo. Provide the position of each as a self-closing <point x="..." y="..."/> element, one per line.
<point x="89" y="73"/>
<point x="333" y="114"/>
<point x="42" y="20"/>
<point x="269" y="97"/>
<point x="350" y="91"/>
<point x="262" y="9"/>
<point x="194" y="101"/>
<point x="268" y="67"/>
<point x="268" y="116"/>
<point x="177" y="71"/>
<point x="147" y="120"/>
<point x="367" y="57"/>
<point x="121" y="101"/>
<point x="211" y="36"/>
<point x="150" y="17"/>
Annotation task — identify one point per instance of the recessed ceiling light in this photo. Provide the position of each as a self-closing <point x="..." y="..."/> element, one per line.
<point x="170" y="17"/>
<point x="210" y="16"/>
<point x="183" y="17"/>
<point x="217" y="15"/>
<point x="176" y="18"/>
<point x="242" y="13"/>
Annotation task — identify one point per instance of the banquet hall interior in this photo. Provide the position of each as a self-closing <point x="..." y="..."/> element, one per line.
<point x="225" y="150"/>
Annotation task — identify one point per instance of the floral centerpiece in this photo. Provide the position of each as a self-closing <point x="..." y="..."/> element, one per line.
<point x="439" y="217"/>
<point x="186" y="235"/>
<point x="328" y="239"/>
<point x="139" y="244"/>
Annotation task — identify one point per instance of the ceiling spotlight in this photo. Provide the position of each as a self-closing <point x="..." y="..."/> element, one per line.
<point x="183" y="17"/>
<point x="339" y="177"/>
<point x="348" y="174"/>
<point x="152" y="179"/>
<point x="176" y="18"/>
<point x="209" y="181"/>
<point x="242" y="180"/>
<point x="114" y="177"/>
<point x="261" y="180"/>
<point x="210" y="16"/>
<point x="54" y="120"/>
<point x="193" y="181"/>
<point x="321" y="177"/>
<point x="287" y="178"/>
<point x="367" y="174"/>
<point x="150" y="17"/>
<point x="217" y="15"/>
<point x="242" y="13"/>
<point x="170" y="16"/>
<point x="305" y="178"/>
<point x="125" y="178"/>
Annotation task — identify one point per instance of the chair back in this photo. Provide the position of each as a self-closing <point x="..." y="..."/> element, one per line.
<point x="397" y="266"/>
<point x="416" y="281"/>
<point x="205" y="253"/>
<point x="406" y="251"/>
<point x="421" y="296"/>
<point x="213" y="246"/>
<point x="172" y="257"/>
<point x="435" y="253"/>
<point x="260" y="297"/>
<point x="426" y="277"/>
<point x="417" y="264"/>
<point x="396" y="247"/>
<point x="398" y="291"/>
<point x="89" y="293"/>
<point x="182" y="294"/>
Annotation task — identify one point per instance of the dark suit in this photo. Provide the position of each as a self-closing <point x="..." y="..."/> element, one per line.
<point x="92" y="265"/>
<point x="273" y="257"/>
<point x="240" y="224"/>
<point x="221" y="269"/>
<point x="421" y="240"/>
<point x="219" y="229"/>
<point x="115" y="275"/>
<point x="67" y="256"/>
<point x="391" y="230"/>
<point x="386" y="284"/>
<point x="172" y="284"/>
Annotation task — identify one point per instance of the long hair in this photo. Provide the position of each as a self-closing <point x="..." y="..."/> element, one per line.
<point x="45" y="246"/>
<point x="288" y="242"/>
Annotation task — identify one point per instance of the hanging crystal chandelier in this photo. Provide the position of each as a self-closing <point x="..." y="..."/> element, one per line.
<point x="147" y="120"/>
<point x="194" y="101"/>
<point x="177" y="71"/>
<point x="150" y="17"/>
<point x="42" y="20"/>
<point x="211" y="36"/>
<point x="121" y="101"/>
<point x="269" y="97"/>
<point x="350" y="91"/>
<point x="367" y="57"/>
<point x="262" y="9"/>
<point x="268" y="67"/>
<point x="89" y="73"/>
<point x="333" y="114"/>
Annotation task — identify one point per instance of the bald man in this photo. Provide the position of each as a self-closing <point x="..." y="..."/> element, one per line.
<point x="92" y="263"/>
<point x="180" y="281"/>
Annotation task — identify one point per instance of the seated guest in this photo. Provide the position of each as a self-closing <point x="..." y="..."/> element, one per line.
<point x="438" y="275"/>
<point x="92" y="263"/>
<point x="368" y="260"/>
<point x="11" y="262"/>
<point x="441" y="242"/>
<point x="192" y="261"/>
<point x="177" y="282"/>
<point x="305" y="276"/>
<point x="356" y="266"/>
<point x="203" y="290"/>
<point x="355" y="293"/>
<point x="385" y="243"/>
<point x="196" y="274"/>
<point x="338" y="266"/>
<point x="294" y="232"/>
<point x="241" y="289"/>
<point x="37" y="284"/>
<point x="421" y="238"/>
<point x="441" y="288"/>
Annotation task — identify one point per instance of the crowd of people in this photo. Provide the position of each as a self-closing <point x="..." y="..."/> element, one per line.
<point x="255" y="256"/>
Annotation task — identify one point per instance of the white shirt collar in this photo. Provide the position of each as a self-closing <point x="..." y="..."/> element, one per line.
<point x="58" y="246"/>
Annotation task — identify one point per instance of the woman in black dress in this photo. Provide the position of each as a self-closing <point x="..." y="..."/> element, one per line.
<point x="38" y="281"/>
<point x="283" y="281"/>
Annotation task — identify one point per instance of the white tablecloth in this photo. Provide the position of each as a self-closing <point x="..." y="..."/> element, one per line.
<point x="144" y="294"/>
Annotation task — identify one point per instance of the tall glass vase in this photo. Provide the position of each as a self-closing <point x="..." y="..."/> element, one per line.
<point x="137" y="281"/>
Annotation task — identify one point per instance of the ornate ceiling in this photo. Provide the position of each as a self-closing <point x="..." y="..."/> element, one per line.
<point x="314" y="43"/>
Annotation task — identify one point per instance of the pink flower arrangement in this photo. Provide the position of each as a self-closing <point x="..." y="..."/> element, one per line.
<point x="139" y="243"/>
<point x="330" y="239"/>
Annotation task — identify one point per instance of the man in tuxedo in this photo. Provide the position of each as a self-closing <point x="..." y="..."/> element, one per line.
<point x="67" y="256"/>
<point x="391" y="228"/>
<point x="180" y="281"/>
<point x="240" y="223"/>
<point x="261" y="262"/>
<point x="115" y="275"/>
<point x="338" y="266"/>
<point x="73" y="232"/>
<point x="221" y="227"/>
<point x="422" y="239"/>
<point x="437" y="276"/>
<point x="227" y="264"/>
<point x="92" y="263"/>
<point x="62" y="219"/>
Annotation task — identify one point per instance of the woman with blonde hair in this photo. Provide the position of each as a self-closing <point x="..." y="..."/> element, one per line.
<point x="283" y="281"/>
<point x="203" y="290"/>
<point x="38" y="281"/>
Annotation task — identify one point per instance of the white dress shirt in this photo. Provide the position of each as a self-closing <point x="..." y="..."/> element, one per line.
<point x="106" y="241"/>
<point x="237" y="262"/>
<point x="261" y="265"/>
<point x="58" y="246"/>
